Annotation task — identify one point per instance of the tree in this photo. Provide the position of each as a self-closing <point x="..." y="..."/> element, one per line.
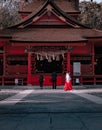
<point x="91" y="14"/>
<point x="8" y="13"/>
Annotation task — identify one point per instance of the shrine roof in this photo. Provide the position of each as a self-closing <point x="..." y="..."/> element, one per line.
<point x="71" y="31"/>
<point x="50" y="35"/>
<point x="51" y="7"/>
<point x="64" y="5"/>
<point x="31" y="7"/>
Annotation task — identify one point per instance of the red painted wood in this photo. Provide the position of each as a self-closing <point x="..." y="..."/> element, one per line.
<point x="82" y="50"/>
<point x="93" y="58"/>
<point x="24" y="15"/>
<point x="52" y="19"/>
<point x="15" y="49"/>
<point x="1" y="44"/>
<point x="17" y="69"/>
<point x="29" y="69"/>
<point x="47" y="80"/>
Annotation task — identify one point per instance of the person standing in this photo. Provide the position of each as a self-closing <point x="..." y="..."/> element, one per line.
<point x="41" y="80"/>
<point x="54" y="80"/>
<point x="68" y="84"/>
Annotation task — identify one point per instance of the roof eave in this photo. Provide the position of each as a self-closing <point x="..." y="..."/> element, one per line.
<point x="25" y="12"/>
<point x="5" y="37"/>
<point x="47" y="41"/>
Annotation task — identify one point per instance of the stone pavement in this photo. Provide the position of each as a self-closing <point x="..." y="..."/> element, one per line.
<point x="22" y="87"/>
<point x="47" y="109"/>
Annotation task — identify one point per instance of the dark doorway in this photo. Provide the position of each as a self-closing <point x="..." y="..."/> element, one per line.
<point x="98" y="60"/>
<point x="98" y="66"/>
<point x="47" y="66"/>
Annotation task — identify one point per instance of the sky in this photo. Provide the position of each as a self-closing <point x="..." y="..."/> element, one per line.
<point x="98" y="1"/>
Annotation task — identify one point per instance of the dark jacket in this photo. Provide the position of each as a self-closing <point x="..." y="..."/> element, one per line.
<point x="41" y="79"/>
<point x="54" y="76"/>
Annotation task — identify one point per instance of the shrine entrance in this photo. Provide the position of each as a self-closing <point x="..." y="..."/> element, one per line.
<point x="45" y="61"/>
<point x="49" y="63"/>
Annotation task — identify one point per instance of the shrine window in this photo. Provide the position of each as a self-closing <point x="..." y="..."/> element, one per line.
<point x="1" y="49"/>
<point x="98" y="50"/>
<point x="81" y="59"/>
<point x="17" y="60"/>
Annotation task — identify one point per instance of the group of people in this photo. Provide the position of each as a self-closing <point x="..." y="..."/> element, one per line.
<point x="67" y="85"/>
<point x="53" y="79"/>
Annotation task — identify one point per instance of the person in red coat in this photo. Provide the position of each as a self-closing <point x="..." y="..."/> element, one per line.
<point x="68" y="84"/>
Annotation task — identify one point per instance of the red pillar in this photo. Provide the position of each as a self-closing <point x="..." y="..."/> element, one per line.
<point x="68" y="62"/>
<point x="29" y="69"/>
<point x="4" y="67"/>
<point x="4" y="63"/>
<point x="93" y="57"/>
<point x="93" y="66"/>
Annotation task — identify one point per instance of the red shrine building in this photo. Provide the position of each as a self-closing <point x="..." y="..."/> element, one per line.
<point x="49" y="38"/>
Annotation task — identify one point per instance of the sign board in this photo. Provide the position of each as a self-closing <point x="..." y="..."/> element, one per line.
<point x="76" y="68"/>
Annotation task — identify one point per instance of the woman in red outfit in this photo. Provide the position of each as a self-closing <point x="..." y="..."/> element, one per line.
<point x="68" y="84"/>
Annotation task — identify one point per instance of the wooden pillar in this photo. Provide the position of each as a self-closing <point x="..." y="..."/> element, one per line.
<point x="93" y="58"/>
<point x="29" y="69"/>
<point x="4" y="63"/>
<point x="68" y="61"/>
<point x="4" y="68"/>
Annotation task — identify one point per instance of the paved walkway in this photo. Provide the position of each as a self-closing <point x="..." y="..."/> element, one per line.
<point x="47" y="109"/>
<point x="82" y="93"/>
<point x="16" y="98"/>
